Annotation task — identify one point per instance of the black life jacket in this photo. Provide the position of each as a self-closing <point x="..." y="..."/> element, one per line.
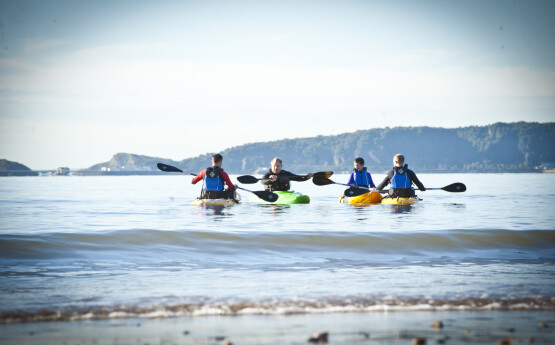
<point x="281" y="184"/>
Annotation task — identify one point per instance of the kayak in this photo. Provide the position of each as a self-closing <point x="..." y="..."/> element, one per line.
<point x="399" y="201"/>
<point x="375" y="197"/>
<point x="220" y="201"/>
<point x="285" y="198"/>
<point x="372" y="197"/>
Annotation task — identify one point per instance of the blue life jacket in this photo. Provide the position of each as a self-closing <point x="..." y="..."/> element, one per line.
<point x="400" y="178"/>
<point x="361" y="179"/>
<point x="213" y="180"/>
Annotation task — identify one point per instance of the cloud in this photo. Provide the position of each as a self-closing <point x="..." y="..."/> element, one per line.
<point x="424" y="57"/>
<point x="36" y="46"/>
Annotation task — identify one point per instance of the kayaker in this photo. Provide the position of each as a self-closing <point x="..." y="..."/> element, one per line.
<point x="401" y="179"/>
<point x="278" y="180"/>
<point x="213" y="181"/>
<point x="360" y="177"/>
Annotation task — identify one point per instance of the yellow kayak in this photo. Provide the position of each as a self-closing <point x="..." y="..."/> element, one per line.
<point x="220" y="201"/>
<point x="399" y="201"/>
<point x="371" y="197"/>
<point x="375" y="197"/>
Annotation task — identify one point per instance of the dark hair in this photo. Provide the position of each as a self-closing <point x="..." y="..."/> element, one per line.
<point x="217" y="158"/>
<point x="359" y="160"/>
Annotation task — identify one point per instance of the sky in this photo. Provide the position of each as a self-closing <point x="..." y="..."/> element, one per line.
<point x="83" y="80"/>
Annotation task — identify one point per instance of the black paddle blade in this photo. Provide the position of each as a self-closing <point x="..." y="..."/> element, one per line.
<point x="456" y="187"/>
<point x="247" y="179"/>
<point x="168" y="168"/>
<point x="350" y="192"/>
<point x="266" y="195"/>
<point x="321" y="181"/>
<point x="324" y="174"/>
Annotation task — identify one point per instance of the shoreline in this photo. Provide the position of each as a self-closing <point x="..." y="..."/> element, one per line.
<point x="430" y="327"/>
<point x="88" y="173"/>
<point x="205" y="307"/>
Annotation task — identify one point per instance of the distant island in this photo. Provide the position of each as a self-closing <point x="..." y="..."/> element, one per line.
<point x="500" y="147"/>
<point x="9" y="168"/>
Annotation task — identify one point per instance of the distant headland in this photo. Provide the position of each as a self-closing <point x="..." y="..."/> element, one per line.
<point x="500" y="147"/>
<point x="9" y="168"/>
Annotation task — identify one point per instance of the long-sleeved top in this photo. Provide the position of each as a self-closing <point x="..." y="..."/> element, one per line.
<point x="410" y="174"/>
<point x="361" y="178"/>
<point x="282" y="182"/>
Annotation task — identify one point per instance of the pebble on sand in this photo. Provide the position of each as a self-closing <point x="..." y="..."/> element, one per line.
<point x="319" y="338"/>
<point x="418" y="341"/>
<point x="436" y="324"/>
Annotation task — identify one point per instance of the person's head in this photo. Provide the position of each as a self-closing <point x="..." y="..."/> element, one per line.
<point x="359" y="163"/>
<point x="276" y="165"/>
<point x="217" y="160"/>
<point x="398" y="160"/>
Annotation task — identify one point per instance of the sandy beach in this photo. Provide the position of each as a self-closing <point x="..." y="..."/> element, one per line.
<point x="496" y="327"/>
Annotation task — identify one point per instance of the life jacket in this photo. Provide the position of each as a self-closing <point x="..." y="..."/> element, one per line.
<point x="281" y="184"/>
<point x="213" y="180"/>
<point x="401" y="183"/>
<point x="361" y="178"/>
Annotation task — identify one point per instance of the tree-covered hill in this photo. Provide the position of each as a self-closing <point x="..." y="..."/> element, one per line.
<point x="500" y="147"/>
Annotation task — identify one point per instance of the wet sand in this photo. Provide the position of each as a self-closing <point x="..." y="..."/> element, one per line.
<point x="495" y="327"/>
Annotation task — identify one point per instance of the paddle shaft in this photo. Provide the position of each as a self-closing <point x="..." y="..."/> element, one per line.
<point x="249" y="179"/>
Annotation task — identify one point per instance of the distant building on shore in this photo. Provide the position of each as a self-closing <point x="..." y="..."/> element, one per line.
<point x="62" y="171"/>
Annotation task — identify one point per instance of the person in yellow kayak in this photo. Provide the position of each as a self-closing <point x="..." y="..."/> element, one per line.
<point x="213" y="181"/>
<point x="401" y="179"/>
<point x="360" y="176"/>
<point x="277" y="179"/>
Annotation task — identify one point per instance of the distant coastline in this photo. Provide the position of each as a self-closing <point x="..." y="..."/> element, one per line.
<point x="497" y="148"/>
<point x="522" y="147"/>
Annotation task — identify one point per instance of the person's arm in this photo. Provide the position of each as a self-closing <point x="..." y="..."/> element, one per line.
<point x="385" y="181"/>
<point x="198" y="177"/>
<point x="294" y="177"/>
<point x="351" y="180"/>
<point x="265" y="179"/>
<point x="416" y="181"/>
<point x="227" y="181"/>
<point x="372" y="185"/>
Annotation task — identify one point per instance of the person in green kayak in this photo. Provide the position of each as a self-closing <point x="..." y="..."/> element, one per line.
<point x="214" y="178"/>
<point x="401" y="179"/>
<point x="277" y="179"/>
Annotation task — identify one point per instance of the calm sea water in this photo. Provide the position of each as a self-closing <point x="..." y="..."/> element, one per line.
<point x="111" y="247"/>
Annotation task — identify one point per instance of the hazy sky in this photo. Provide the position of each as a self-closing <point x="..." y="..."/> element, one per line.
<point x="83" y="80"/>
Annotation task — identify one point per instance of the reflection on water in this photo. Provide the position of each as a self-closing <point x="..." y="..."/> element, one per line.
<point x="399" y="209"/>
<point x="275" y="209"/>
<point x="215" y="210"/>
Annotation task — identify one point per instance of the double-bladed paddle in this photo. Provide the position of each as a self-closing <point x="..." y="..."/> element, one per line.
<point x="169" y="168"/>
<point x="323" y="181"/>
<point x="248" y="179"/>
<point x="456" y="187"/>
<point x="263" y="194"/>
<point x="352" y="191"/>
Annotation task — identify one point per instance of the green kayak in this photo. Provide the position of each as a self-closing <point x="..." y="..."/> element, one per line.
<point x="285" y="198"/>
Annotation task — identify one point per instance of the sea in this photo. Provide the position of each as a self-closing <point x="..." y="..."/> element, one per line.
<point x="76" y="248"/>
